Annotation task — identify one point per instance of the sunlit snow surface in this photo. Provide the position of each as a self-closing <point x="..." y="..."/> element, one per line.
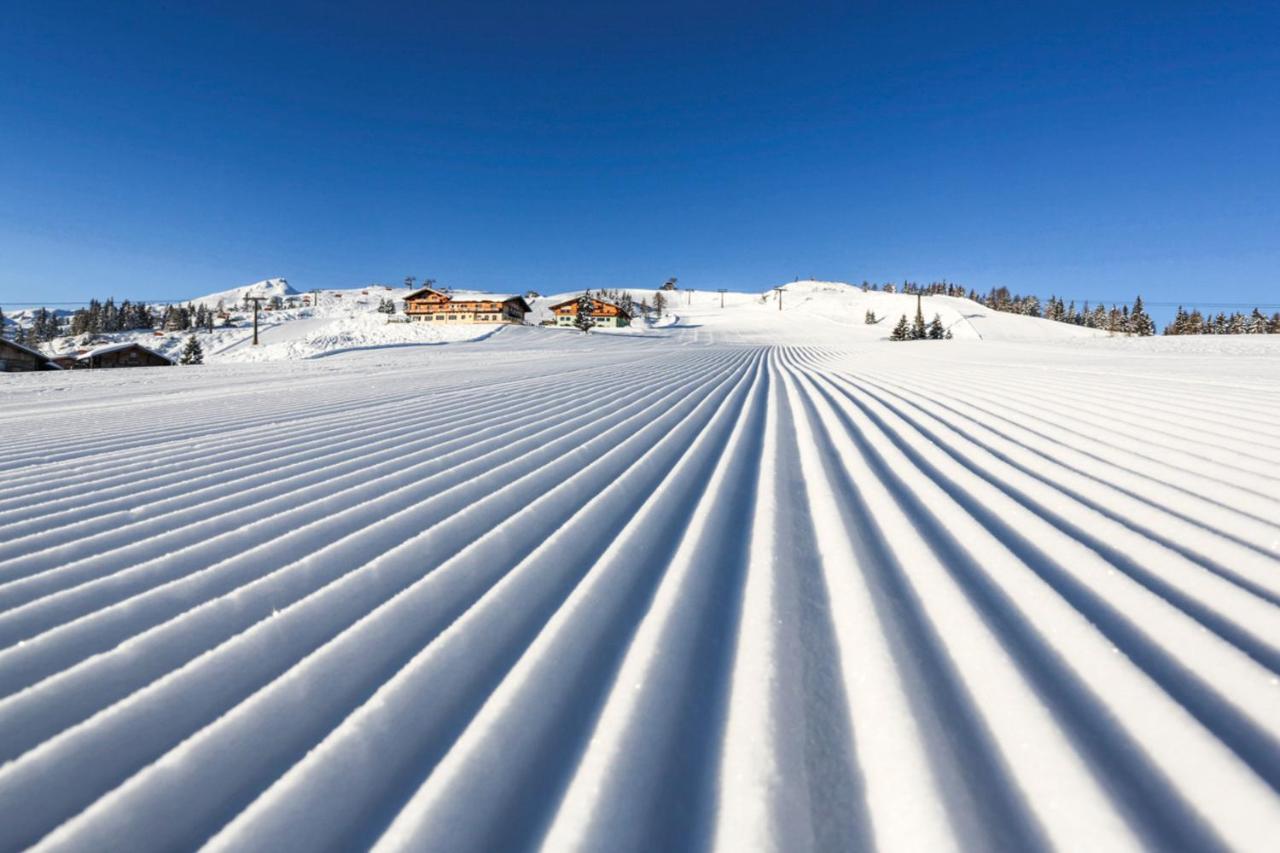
<point x="747" y="580"/>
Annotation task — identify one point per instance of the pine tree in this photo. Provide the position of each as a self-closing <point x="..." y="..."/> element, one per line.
<point x="586" y="307"/>
<point x="1257" y="323"/>
<point x="870" y="319"/>
<point x="1195" y="323"/>
<point x="902" y="331"/>
<point x="1273" y="325"/>
<point x="1139" y="321"/>
<point x="918" y="329"/>
<point x="659" y="304"/>
<point x="1179" y="325"/>
<point x="192" y="353"/>
<point x="936" y="329"/>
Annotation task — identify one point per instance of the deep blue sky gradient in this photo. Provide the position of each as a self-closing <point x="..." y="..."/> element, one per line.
<point x="161" y="150"/>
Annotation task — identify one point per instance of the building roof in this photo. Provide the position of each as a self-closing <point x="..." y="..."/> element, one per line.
<point x="574" y="301"/>
<point x="465" y="295"/>
<point x="45" y="362"/>
<point x="24" y="348"/>
<point x="469" y="296"/>
<point x="109" y="348"/>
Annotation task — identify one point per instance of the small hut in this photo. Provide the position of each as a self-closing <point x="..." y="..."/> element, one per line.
<point x="16" y="358"/>
<point x="126" y="354"/>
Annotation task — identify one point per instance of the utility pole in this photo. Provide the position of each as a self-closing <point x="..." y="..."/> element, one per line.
<point x="257" y="303"/>
<point x="779" y="289"/>
<point x="315" y="299"/>
<point x="722" y="292"/>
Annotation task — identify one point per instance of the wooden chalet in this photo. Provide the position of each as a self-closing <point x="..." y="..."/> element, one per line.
<point x="126" y="354"/>
<point x="603" y="313"/>
<point x="435" y="306"/>
<point x="16" y="358"/>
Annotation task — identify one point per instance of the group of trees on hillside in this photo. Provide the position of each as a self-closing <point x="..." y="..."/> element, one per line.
<point x="105" y="316"/>
<point x="1116" y="318"/>
<point x="935" y="288"/>
<point x="1132" y="321"/>
<point x="1194" y="323"/>
<point x="1120" y="319"/>
<point x="917" y="330"/>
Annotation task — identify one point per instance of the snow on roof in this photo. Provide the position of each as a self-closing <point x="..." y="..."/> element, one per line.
<point x="465" y="295"/>
<point x="24" y="348"/>
<point x="594" y="298"/>
<point x="480" y="296"/>
<point x="103" y="350"/>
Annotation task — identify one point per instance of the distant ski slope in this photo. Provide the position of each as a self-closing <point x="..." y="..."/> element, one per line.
<point x="633" y="592"/>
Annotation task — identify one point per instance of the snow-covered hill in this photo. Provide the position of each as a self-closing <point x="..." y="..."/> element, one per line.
<point x="829" y="312"/>
<point x="266" y="289"/>
<point x="291" y="327"/>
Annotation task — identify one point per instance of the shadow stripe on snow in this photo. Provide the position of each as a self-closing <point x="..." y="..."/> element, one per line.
<point x="1154" y="807"/>
<point x="396" y="630"/>
<point x="238" y="663"/>
<point x="1255" y="747"/>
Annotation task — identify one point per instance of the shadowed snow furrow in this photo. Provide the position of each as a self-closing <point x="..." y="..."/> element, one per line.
<point x="228" y="675"/>
<point x="634" y="593"/>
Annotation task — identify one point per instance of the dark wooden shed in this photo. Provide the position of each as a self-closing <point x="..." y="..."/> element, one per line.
<point x="122" y="355"/>
<point x="15" y="358"/>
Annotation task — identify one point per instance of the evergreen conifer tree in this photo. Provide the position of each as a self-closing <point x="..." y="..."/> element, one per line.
<point x="192" y="353"/>
<point x="870" y="318"/>
<point x="1179" y="324"/>
<point x="936" y="329"/>
<point x="1139" y="321"/>
<point x="902" y="331"/>
<point x="1257" y="323"/>
<point x="918" y="329"/>
<point x="586" y="307"/>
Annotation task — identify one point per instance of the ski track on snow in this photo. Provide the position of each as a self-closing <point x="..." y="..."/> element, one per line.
<point x="638" y="594"/>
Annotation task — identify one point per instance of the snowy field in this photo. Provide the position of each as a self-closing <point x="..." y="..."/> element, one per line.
<point x="747" y="579"/>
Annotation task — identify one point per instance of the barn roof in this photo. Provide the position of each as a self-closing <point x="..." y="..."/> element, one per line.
<point x="24" y="348"/>
<point x="103" y="350"/>
<point x="575" y="299"/>
<point x="469" y="296"/>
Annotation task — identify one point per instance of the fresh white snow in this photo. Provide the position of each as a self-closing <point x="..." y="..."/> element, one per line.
<point x="740" y="579"/>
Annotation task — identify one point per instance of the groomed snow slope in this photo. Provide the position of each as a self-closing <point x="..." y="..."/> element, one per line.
<point x="648" y="592"/>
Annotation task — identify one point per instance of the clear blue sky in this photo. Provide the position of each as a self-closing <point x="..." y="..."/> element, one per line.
<point x="158" y="150"/>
